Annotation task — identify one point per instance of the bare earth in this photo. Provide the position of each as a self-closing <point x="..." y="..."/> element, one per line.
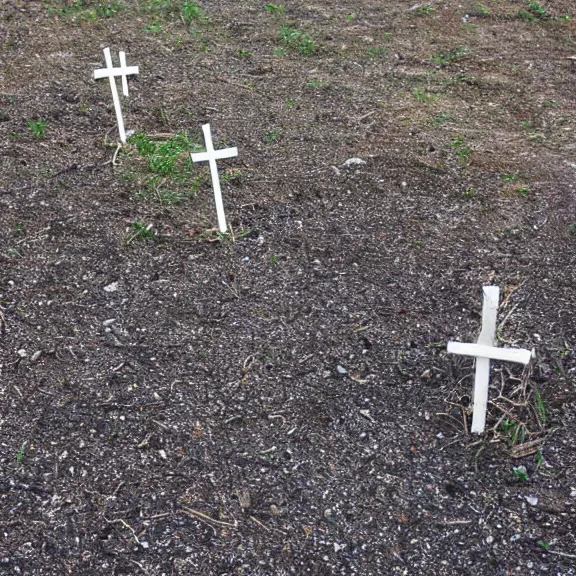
<point x="279" y="400"/>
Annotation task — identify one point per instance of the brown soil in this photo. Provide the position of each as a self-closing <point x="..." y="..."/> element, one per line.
<point x="281" y="402"/>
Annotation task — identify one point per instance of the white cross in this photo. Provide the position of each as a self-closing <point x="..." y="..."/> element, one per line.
<point x="112" y="73"/>
<point x="484" y="351"/>
<point x="211" y="156"/>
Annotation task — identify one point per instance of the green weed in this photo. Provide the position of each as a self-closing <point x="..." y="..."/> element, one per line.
<point x="521" y="473"/>
<point x="423" y="96"/>
<point x="274" y="260"/>
<point x="153" y="28"/>
<point x="510" y="176"/>
<point x="139" y="231"/>
<point x="523" y="190"/>
<point x="439" y="118"/>
<point x="20" y="453"/>
<point x="315" y="84"/>
<point x="540" y="409"/>
<point x="81" y="9"/>
<point x="462" y="149"/>
<point x="242" y="53"/>
<point x="537" y="8"/>
<point x="191" y="12"/>
<point x="38" y="127"/>
<point x="424" y="10"/>
<point x="526" y="16"/>
<point x="376" y="51"/>
<point x="298" y="41"/>
<point x="275" y="9"/>
<point x="271" y="137"/>
<point x="572" y="228"/>
<point x="448" y="56"/>
<point x="515" y="432"/>
<point x="469" y="192"/>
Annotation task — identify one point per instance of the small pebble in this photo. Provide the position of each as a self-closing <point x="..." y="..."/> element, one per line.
<point x="341" y="369"/>
<point x="354" y="161"/>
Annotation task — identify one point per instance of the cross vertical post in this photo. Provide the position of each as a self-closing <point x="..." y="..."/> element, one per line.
<point x="111" y="73"/>
<point x="484" y="350"/>
<point x="491" y="297"/>
<point x="211" y="156"/>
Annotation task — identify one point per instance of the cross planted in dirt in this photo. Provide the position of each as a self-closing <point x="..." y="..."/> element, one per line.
<point x="111" y="72"/>
<point x="484" y="351"/>
<point x="211" y="156"/>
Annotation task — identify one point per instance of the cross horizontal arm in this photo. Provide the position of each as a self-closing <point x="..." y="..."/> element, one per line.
<point x="492" y="352"/>
<point x="216" y="155"/>
<point x="113" y="72"/>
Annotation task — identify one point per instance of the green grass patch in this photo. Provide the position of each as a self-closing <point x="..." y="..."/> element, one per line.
<point x="462" y="150"/>
<point x="37" y="127"/>
<point x="297" y="40"/>
<point x="162" y="169"/>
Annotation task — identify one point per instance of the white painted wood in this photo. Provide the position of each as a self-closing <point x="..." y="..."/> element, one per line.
<point x="484" y="351"/>
<point x="517" y="355"/>
<point x="211" y="156"/>
<point x="111" y="73"/>
<point x="488" y="338"/>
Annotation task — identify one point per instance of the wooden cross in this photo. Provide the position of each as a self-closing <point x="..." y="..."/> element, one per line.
<point x="484" y="351"/>
<point x="111" y="72"/>
<point x="211" y="156"/>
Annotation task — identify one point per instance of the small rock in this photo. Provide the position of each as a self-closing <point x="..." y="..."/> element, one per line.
<point x="22" y="353"/>
<point x="532" y="500"/>
<point x="64" y="455"/>
<point x="244" y="498"/>
<point x="113" y="287"/>
<point x="109" y="321"/>
<point x="144" y="544"/>
<point x="36" y="355"/>
<point x="426" y="374"/>
<point x="354" y="162"/>
<point x="162" y="454"/>
<point x="341" y="369"/>
<point x="489" y="539"/>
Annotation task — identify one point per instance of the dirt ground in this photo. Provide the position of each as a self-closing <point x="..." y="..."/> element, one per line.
<point x="279" y="400"/>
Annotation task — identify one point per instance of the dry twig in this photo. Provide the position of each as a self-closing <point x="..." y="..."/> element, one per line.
<point x="203" y="517"/>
